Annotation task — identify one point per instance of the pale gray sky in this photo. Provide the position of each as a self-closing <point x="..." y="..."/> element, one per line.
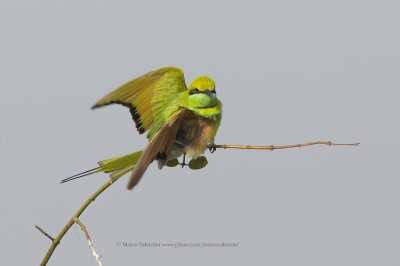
<point x="286" y="71"/>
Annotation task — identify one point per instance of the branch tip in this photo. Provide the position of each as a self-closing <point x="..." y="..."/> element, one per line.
<point x="44" y="233"/>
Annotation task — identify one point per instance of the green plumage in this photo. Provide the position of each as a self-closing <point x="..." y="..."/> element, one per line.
<point x="178" y="120"/>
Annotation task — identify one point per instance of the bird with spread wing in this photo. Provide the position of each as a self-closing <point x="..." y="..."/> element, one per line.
<point x="179" y="121"/>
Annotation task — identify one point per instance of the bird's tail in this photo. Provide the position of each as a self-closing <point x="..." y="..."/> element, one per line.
<point x="115" y="166"/>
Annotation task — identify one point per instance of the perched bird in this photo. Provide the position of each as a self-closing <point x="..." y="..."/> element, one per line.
<point x="178" y="120"/>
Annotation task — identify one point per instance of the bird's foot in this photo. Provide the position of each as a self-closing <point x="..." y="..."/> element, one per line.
<point x="183" y="162"/>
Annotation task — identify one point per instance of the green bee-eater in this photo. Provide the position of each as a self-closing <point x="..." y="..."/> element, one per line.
<point x="178" y="120"/>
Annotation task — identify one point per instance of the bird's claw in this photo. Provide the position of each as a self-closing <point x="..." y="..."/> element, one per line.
<point x="183" y="162"/>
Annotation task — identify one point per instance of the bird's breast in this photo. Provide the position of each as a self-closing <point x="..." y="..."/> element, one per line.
<point x="195" y="134"/>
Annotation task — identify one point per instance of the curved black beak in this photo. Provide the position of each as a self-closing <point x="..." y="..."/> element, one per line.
<point x="208" y="92"/>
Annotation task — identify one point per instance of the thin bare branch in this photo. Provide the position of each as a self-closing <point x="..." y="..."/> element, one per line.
<point x="71" y="221"/>
<point x="56" y="241"/>
<point x="271" y="147"/>
<point x="44" y="232"/>
<point x="95" y="255"/>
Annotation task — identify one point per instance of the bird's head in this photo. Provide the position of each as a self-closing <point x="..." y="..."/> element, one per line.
<point x="202" y="93"/>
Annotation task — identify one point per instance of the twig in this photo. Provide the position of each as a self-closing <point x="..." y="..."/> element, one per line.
<point x="44" y="232"/>
<point x="56" y="241"/>
<point x="271" y="147"/>
<point x="95" y="255"/>
<point x="71" y="221"/>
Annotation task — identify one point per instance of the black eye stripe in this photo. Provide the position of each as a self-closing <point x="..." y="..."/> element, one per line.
<point x="196" y="90"/>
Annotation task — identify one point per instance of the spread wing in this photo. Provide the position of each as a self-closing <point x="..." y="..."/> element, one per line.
<point x="160" y="146"/>
<point x="147" y="95"/>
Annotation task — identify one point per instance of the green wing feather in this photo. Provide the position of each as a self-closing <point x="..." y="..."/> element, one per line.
<point x="147" y="96"/>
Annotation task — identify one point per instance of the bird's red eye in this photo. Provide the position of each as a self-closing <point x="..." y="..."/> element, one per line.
<point x="194" y="91"/>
